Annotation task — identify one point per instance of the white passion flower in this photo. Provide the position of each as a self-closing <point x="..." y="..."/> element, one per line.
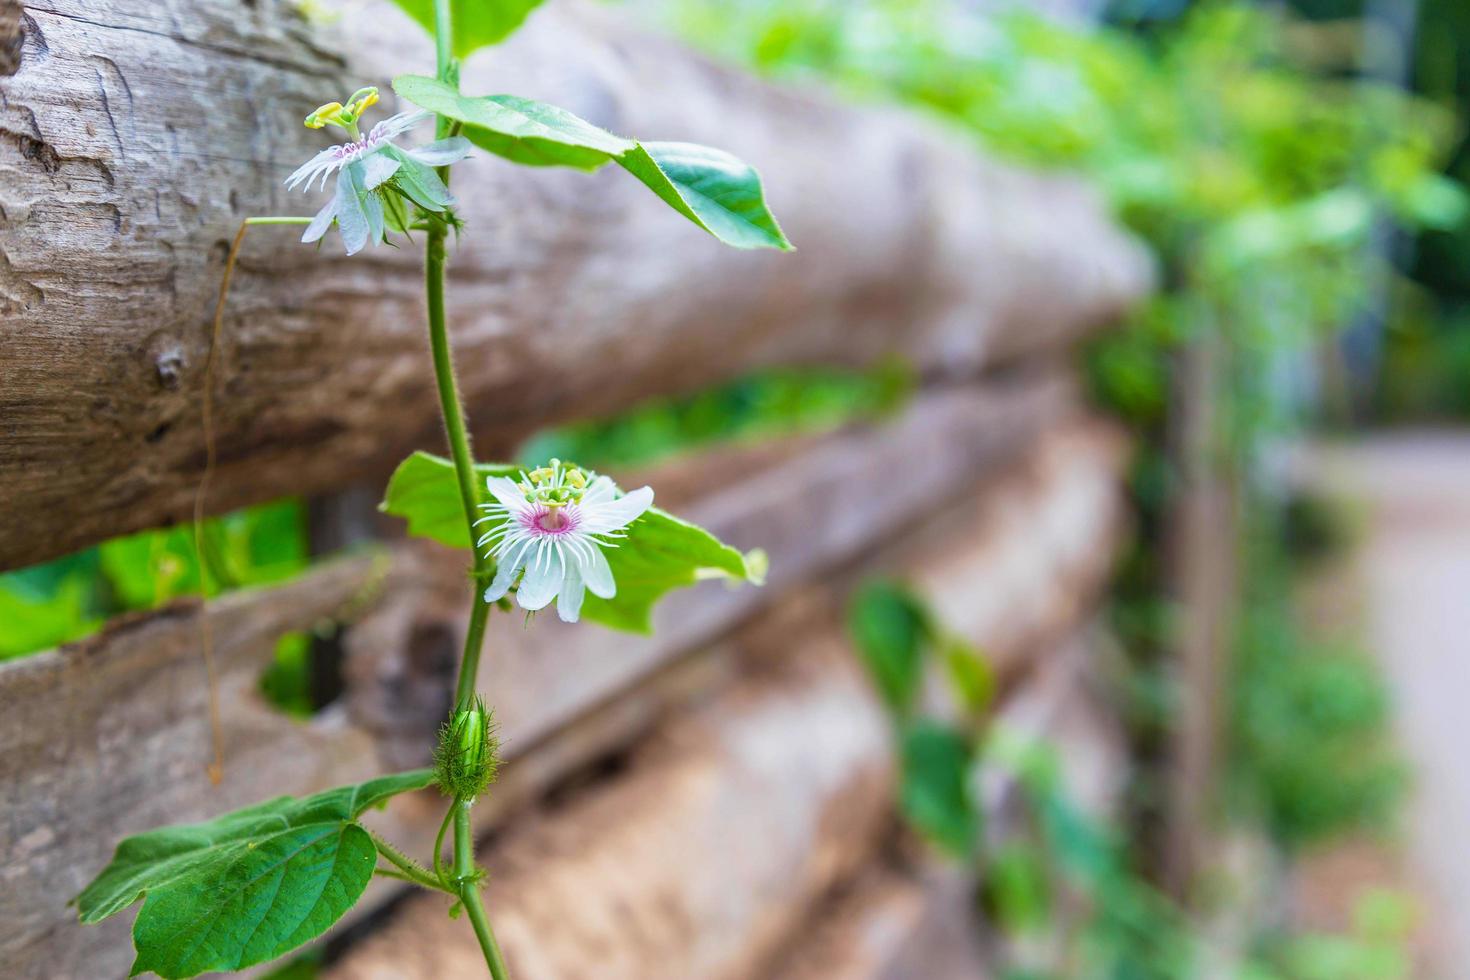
<point x="366" y="205"/>
<point x="547" y="531"/>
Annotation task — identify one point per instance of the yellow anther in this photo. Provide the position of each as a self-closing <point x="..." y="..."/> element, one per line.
<point x="576" y="478"/>
<point x="329" y="113"/>
<point x="359" y="101"/>
<point x="363" y="97"/>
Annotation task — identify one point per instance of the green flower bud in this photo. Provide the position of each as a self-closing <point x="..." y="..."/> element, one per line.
<point x="465" y="762"/>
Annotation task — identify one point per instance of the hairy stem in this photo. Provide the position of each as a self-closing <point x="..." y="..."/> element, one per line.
<point x="469" y="889"/>
<point x="408" y="869"/>
<point x="466" y="878"/>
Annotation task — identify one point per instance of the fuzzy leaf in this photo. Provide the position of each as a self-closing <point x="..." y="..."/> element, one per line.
<point x="660" y="553"/>
<point x="477" y="23"/>
<point x="523" y="130"/>
<point x="715" y="190"/>
<point x="245" y="887"/>
<point x="424" y="492"/>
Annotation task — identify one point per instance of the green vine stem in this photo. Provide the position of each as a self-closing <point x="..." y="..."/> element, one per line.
<point x="469" y="889"/>
<point x="466" y="878"/>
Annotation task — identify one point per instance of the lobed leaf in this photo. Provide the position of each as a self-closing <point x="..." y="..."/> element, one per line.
<point x="247" y="886"/>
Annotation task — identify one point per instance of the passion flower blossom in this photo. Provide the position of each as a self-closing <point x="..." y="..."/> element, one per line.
<point x="374" y="173"/>
<point x="548" y="531"/>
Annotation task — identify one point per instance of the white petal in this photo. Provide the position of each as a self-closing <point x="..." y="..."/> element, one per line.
<point x="504" y="576"/>
<point x="394" y="125"/>
<point x="569" y="599"/>
<point x="441" y="153"/>
<point x="597" y="573"/>
<point x="308" y="170"/>
<point x="352" y="220"/>
<point x="600" y="491"/>
<point x="510" y="496"/>
<point x="543" y="579"/>
<point x="599" y="518"/>
<point x="376" y="168"/>
<point x="321" y="222"/>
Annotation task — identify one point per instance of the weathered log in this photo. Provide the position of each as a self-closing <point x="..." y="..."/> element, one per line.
<point x="891" y="924"/>
<point x="1058" y="509"/>
<point x="136" y="137"/>
<point x="113" y="733"/>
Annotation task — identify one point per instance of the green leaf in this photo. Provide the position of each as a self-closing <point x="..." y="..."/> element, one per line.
<point x="245" y="887"/>
<point x="891" y="629"/>
<point x="36" y="622"/>
<point x="970" y="675"/>
<point x="477" y="23"/>
<point x="712" y="188"/>
<point x="660" y="553"/>
<point x="523" y="130"/>
<point x="935" y="786"/>
<point x="715" y="190"/>
<point x="424" y="491"/>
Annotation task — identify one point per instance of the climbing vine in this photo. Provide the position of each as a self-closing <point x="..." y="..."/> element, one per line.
<point x="252" y="885"/>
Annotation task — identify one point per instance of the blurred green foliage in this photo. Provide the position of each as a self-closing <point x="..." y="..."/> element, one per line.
<point x="286" y="680"/>
<point x="763" y="405"/>
<point x="900" y="645"/>
<point x="66" y="599"/>
<point x="1237" y="141"/>
<point x="892" y="632"/>
<point x="1062" y="887"/>
<point x="1250" y="150"/>
<point x="1312" y="746"/>
<point x="1377" y="948"/>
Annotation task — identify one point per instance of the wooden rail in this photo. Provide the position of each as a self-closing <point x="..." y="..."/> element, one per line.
<point x="137" y="136"/>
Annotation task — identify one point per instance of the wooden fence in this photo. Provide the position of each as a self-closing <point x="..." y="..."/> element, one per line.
<point x="745" y="829"/>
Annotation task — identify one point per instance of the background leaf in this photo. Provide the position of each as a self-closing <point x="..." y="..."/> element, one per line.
<point x="660" y="553"/>
<point x="891" y="629"/>
<point x="935" y="791"/>
<point x="477" y="23"/>
<point x="715" y="190"/>
<point x="971" y="677"/>
<point x="245" y="887"/>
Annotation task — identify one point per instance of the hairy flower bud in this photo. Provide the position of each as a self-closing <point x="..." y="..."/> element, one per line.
<point x="465" y="761"/>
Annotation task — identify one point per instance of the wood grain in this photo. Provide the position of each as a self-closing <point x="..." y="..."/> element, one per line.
<point x="110" y="736"/>
<point x="135" y="137"/>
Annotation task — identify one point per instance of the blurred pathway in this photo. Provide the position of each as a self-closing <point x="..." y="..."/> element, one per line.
<point x="1412" y="567"/>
